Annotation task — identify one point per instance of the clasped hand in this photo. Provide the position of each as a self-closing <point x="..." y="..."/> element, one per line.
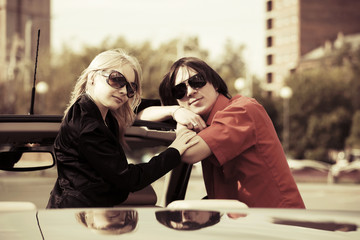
<point x="189" y="119"/>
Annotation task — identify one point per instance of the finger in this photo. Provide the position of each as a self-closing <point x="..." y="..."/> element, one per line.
<point x="198" y="126"/>
<point x="201" y="122"/>
<point x="180" y="131"/>
<point x="187" y="137"/>
<point x="185" y="134"/>
<point x="189" y="125"/>
<point x="192" y="142"/>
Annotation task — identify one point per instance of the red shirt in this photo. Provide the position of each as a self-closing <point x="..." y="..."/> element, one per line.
<point x="248" y="161"/>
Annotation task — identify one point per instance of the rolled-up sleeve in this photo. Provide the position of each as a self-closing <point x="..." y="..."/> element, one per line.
<point x="231" y="132"/>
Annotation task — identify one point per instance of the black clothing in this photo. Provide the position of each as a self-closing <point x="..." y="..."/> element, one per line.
<point x="92" y="167"/>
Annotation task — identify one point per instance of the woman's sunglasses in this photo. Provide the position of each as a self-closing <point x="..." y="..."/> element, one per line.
<point x="116" y="80"/>
<point x="195" y="82"/>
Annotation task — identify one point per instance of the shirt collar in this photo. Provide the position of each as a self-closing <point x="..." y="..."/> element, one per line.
<point x="220" y="103"/>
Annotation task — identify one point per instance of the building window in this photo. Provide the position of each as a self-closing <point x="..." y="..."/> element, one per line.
<point x="269" y="23"/>
<point x="269" y="42"/>
<point x="269" y="6"/>
<point x="269" y="77"/>
<point x="269" y="59"/>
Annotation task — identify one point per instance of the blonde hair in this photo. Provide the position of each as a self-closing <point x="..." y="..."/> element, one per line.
<point x="109" y="60"/>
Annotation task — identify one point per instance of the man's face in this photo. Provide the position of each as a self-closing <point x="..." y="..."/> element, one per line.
<point x="200" y="100"/>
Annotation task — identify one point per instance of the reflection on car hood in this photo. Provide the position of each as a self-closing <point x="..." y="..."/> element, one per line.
<point x="163" y="223"/>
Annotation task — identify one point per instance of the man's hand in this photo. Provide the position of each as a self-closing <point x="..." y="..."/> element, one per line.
<point x="189" y="119"/>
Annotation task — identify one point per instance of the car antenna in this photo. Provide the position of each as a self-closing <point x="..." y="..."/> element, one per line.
<point x="33" y="88"/>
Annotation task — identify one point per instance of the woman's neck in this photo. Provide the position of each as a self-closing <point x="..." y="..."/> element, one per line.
<point x="103" y="110"/>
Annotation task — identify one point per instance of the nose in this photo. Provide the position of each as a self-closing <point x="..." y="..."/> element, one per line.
<point x="190" y="90"/>
<point x="123" y="90"/>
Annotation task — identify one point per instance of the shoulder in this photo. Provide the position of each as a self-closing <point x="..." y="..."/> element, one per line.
<point x="237" y="103"/>
<point x="83" y="114"/>
<point x="244" y="104"/>
<point x="239" y="110"/>
<point x="239" y="100"/>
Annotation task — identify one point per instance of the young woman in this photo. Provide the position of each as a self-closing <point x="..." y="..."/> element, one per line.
<point x="241" y="155"/>
<point x="92" y="167"/>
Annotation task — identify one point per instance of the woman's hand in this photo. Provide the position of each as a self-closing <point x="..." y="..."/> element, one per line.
<point x="189" y="119"/>
<point x="184" y="140"/>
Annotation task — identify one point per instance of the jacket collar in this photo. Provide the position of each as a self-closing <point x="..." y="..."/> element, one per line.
<point x="91" y="108"/>
<point x="89" y="105"/>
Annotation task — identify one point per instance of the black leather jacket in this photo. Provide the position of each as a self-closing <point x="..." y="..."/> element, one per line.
<point x="92" y="167"/>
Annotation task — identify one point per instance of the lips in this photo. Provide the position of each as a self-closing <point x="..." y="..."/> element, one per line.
<point x="192" y="102"/>
<point x="118" y="99"/>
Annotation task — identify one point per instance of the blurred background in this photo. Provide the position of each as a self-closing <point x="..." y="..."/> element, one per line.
<point x="299" y="58"/>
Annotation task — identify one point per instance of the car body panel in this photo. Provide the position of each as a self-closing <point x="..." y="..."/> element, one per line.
<point x="19" y="225"/>
<point x="231" y="224"/>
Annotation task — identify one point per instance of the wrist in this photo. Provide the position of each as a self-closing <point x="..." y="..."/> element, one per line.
<point x="174" y="111"/>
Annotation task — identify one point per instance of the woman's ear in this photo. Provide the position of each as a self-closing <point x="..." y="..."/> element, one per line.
<point x="91" y="79"/>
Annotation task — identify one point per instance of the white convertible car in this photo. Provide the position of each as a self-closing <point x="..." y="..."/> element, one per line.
<point x="158" y="212"/>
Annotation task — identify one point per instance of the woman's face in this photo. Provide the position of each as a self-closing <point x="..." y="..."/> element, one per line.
<point x="199" y="101"/>
<point x="107" y="97"/>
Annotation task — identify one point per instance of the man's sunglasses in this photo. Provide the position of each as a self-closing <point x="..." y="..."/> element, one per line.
<point x="195" y="82"/>
<point x="116" y="80"/>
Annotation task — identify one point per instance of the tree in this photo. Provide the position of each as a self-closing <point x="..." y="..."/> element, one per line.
<point x="157" y="62"/>
<point x="353" y="141"/>
<point x="62" y="70"/>
<point x="231" y="64"/>
<point x="321" y="111"/>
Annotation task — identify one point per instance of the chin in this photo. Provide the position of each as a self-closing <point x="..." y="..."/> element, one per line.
<point x="199" y="111"/>
<point x="116" y="107"/>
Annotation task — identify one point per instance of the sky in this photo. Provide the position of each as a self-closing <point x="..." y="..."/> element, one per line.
<point x="212" y="21"/>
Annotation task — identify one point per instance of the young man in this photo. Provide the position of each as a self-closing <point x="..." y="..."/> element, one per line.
<point x="241" y="155"/>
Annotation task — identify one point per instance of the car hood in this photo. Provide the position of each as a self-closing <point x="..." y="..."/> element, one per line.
<point x="166" y="223"/>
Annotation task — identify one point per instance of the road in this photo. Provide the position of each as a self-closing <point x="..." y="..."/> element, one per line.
<point x="316" y="195"/>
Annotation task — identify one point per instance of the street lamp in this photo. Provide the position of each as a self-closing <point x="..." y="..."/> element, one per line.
<point x="42" y="88"/>
<point x="244" y="86"/>
<point x="239" y="84"/>
<point x="286" y="94"/>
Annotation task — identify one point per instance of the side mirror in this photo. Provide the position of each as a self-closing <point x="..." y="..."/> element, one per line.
<point x="31" y="158"/>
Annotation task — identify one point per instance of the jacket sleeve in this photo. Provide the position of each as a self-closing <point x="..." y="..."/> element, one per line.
<point x="104" y="153"/>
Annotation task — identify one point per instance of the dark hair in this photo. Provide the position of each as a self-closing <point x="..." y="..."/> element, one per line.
<point x="197" y="65"/>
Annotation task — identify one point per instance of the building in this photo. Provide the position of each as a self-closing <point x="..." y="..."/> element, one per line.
<point x="19" y="24"/>
<point x="325" y="55"/>
<point x="296" y="27"/>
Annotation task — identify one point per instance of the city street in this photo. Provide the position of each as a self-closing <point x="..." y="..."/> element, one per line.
<point x="316" y="195"/>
